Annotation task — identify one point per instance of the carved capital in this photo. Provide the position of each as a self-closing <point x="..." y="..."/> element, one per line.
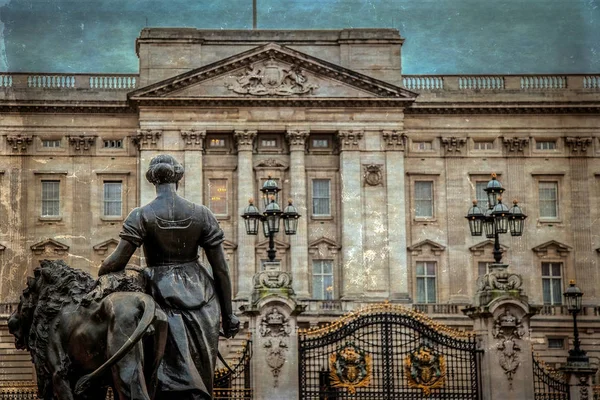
<point x="578" y="144"/>
<point x="193" y="139"/>
<point x="394" y="140"/>
<point x="147" y="139"/>
<point x="82" y="142"/>
<point x="350" y="140"/>
<point x="19" y="142"/>
<point x="244" y="139"/>
<point x="515" y="144"/>
<point x="297" y="139"/>
<point x="453" y="145"/>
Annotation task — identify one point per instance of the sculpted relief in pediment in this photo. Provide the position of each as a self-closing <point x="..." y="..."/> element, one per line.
<point x="269" y="78"/>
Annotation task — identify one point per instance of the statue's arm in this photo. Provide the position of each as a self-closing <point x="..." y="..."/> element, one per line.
<point x="216" y="257"/>
<point x="118" y="259"/>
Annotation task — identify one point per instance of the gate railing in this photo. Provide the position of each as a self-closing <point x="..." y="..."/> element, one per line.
<point x="385" y="352"/>
<point x="548" y="383"/>
<point x="235" y="383"/>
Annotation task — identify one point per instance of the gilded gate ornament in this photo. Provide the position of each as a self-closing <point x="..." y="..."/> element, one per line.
<point x="425" y="369"/>
<point x="350" y="368"/>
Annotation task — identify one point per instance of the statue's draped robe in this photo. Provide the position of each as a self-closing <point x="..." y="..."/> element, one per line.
<point x="184" y="290"/>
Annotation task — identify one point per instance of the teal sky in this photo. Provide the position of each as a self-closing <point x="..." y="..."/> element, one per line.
<point x="442" y="36"/>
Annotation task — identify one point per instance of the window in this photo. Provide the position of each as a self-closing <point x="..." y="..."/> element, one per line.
<point x="268" y="143"/>
<point x="556" y="343"/>
<point x="50" y="198"/>
<point x="217" y="195"/>
<point x="545" y="145"/>
<point x="552" y="283"/>
<point x="422" y="146"/>
<point x="424" y="199"/>
<point x="426" y="282"/>
<point x="483" y="267"/>
<point x="321" y="194"/>
<point x="113" y="144"/>
<point x="51" y="143"/>
<point x="216" y="143"/>
<point x="322" y="279"/>
<point x="113" y="200"/>
<point x="548" y="195"/>
<point x="483" y="145"/>
<point x="321" y="143"/>
<point x="481" y="195"/>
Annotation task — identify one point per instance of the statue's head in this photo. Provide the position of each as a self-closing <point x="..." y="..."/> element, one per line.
<point x="164" y="168"/>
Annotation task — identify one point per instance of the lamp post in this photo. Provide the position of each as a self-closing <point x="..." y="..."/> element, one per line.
<point x="497" y="219"/>
<point x="271" y="216"/>
<point x="573" y="297"/>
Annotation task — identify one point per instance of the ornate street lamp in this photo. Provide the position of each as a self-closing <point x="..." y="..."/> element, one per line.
<point x="271" y="216"/>
<point x="497" y="219"/>
<point x="573" y="297"/>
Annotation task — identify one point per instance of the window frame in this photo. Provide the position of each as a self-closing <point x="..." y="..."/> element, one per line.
<point x="552" y="278"/>
<point x="57" y="200"/>
<point x="433" y="202"/>
<point x="325" y="150"/>
<point x="312" y="197"/>
<point x="327" y="295"/>
<point x="556" y="199"/>
<point x="225" y="149"/>
<point x="104" y="201"/>
<point x="426" y="276"/>
<point x="50" y="176"/>
<point x="478" y="142"/>
<point x="227" y="191"/>
<point x="104" y="176"/>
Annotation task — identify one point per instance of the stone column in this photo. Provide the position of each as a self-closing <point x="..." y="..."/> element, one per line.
<point x="299" y="242"/>
<point x="394" y="142"/>
<point x="193" y="142"/>
<point x="147" y="141"/>
<point x="579" y="380"/>
<point x="245" y="190"/>
<point x="353" y="268"/>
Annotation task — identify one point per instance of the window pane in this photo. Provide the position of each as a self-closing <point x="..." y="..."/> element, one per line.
<point x="545" y="269"/>
<point x="50" y="198"/>
<point x="482" y="267"/>
<point x="112" y="198"/>
<point x="321" y="197"/>
<point x="555" y="269"/>
<point x="322" y="279"/>
<point x="318" y="292"/>
<point x="556" y="291"/>
<point x="548" y="195"/>
<point x="481" y="195"/>
<point x="431" y="268"/>
<point x="217" y="194"/>
<point x="431" y="290"/>
<point x="546" y="291"/>
<point x="421" y="290"/>
<point x="420" y="268"/>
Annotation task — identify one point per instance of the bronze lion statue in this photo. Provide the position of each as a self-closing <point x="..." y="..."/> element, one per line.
<point x="86" y="335"/>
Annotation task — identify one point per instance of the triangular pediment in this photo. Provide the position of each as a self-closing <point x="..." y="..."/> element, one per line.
<point x="279" y="245"/>
<point x="49" y="246"/>
<point x="272" y="73"/>
<point x="417" y="248"/>
<point x="2" y="248"/>
<point x="559" y="248"/>
<point x="480" y="248"/>
<point x="102" y="248"/>
<point x="323" y="248"/>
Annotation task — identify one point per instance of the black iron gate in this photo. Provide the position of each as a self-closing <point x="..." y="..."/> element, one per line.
<point x="549" y="384"/>
<point x="387" y="352"/>
<point x="235" y="383"/>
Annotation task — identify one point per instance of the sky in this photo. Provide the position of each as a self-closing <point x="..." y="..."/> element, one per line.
<point x="442" y="36"/>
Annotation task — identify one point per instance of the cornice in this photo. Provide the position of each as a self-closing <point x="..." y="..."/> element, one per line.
<point x="505" y="108"/>
<point x="334" y="102"/>
<point x="68" y="107"/>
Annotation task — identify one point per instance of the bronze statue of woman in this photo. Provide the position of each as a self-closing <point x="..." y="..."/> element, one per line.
<point x="171" y="228"/>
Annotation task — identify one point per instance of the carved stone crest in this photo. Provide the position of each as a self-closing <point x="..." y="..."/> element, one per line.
<point x="275" y="324"/>
<point x="373" y="174"/>
<point x="425" y="369"/>
<point x="270" y="78"/>
<point x="350" y="367"/>
<point x="499" y="279"/>
<point x="508" y="329"/>
<point x="275" y="357"/>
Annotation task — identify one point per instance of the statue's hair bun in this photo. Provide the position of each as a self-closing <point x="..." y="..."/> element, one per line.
<point x="164" y="169"/>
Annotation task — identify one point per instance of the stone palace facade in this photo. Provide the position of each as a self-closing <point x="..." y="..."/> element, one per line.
<point x="381" y="166"/>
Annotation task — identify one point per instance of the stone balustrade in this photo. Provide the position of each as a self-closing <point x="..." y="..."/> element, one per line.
<point x="68" y="81"/>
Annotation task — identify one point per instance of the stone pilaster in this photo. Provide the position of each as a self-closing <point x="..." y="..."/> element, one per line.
<point x="245" y="190"/>
<point x="353" y="268"/>
<point x="394" y="144"/>
<point x="193" y="142"/>
<point x="299" y="242"/>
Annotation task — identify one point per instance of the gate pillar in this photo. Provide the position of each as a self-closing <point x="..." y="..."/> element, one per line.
<point x="501" y="314"/>
<point x="273" y="312"/>
<point x="579" y="380"/>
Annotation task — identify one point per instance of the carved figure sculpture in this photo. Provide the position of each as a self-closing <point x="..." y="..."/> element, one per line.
<point x="171" y="229"/>
<point x="77" y="344"/>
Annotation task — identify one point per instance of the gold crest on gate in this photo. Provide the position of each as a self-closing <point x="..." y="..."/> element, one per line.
<point x="425" y="369"/>
<point x="350" y="368"/>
